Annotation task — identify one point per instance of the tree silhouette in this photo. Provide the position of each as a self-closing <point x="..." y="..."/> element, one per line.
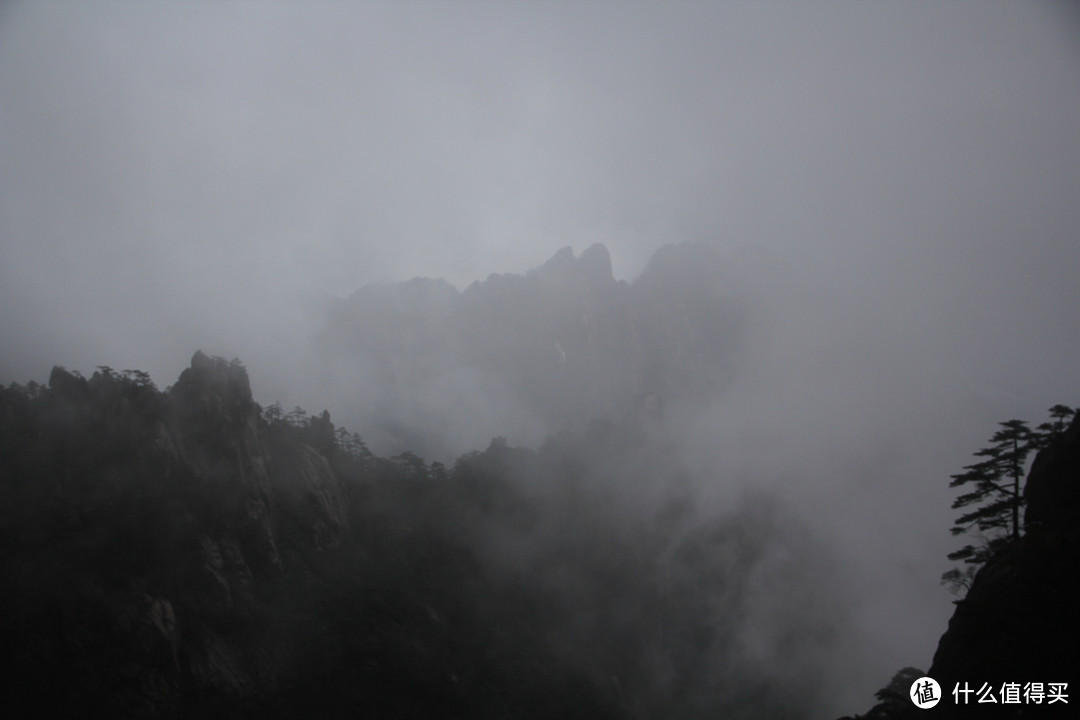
<point x="297" y="417"/>
<point x="273" y="413"/>
<point x="1060" y="416"/>
<point x="996" y="498"/>
<point x="138" y="378"/>
<point x="995" y="492"/>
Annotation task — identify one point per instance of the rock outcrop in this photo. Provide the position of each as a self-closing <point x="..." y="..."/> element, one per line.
<point x="146" y="533"/>
<point x="1020" y="620"/>
<point x="1052" y="493"/>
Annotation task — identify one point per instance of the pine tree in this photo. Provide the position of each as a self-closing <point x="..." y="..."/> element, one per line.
<point x="297" y="417"/>
<point x="995" y="491"/>
<point x="273" y="413"/>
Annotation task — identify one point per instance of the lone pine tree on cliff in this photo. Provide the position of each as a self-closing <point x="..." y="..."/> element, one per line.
<point x="994" y="488"/>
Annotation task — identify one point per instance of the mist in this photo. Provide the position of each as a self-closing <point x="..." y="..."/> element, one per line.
<point x="891" y="191"/>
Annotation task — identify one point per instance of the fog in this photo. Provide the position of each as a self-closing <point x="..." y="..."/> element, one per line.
<point x="893" y="187"/>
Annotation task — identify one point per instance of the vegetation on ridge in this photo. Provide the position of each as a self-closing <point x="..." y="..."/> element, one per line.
<point x="187" y="552"/>
<point x="994" y="490"/>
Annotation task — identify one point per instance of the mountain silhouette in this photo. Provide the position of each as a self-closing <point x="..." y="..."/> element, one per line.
<point x="528" y="355"/>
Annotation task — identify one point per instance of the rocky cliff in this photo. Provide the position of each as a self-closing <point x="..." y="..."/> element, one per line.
<point x="1020" y="620"/>
<point x="144" y="533"/>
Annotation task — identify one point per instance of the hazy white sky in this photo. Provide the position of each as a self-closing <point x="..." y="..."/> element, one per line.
<point x="185" y="175"/>
<point x="177" y="174"/>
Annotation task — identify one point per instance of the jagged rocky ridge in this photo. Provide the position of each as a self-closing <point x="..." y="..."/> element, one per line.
<point x="184" y="554"/>
<point x="528" y="355"/>
<point x="1020" y="619"/>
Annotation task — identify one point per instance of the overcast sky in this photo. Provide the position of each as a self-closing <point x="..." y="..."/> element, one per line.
<point x="185" y="175"/>
<point x="168" y="169"/>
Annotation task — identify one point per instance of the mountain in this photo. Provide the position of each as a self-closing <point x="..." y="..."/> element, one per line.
<point x="439" y="371"/>
<point x="187" y="553"/>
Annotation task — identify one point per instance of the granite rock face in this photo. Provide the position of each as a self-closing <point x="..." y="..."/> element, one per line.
<point x="1052" y="492"/>
<point x="143" y="532"/>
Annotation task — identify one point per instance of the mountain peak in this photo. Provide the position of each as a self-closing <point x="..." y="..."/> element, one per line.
<point x="594" y="264"/>
<point x="560" y="262"/>
<point x="216" y="375"/>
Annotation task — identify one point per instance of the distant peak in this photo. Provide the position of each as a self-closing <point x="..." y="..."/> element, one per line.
<point x="563" y="259"/>
<point x="596" y="262"/>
